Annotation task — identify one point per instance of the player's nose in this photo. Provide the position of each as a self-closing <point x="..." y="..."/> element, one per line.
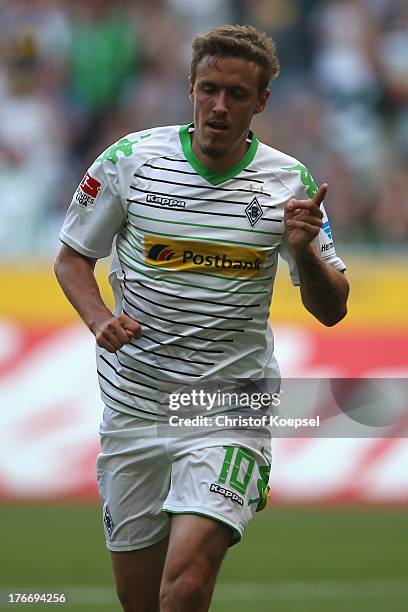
<point x="220" y="104"/>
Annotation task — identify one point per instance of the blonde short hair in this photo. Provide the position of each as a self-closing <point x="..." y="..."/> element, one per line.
<point x="241" y="41"/>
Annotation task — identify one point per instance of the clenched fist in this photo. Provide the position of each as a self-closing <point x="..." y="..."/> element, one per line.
<point x="113" y="332"/>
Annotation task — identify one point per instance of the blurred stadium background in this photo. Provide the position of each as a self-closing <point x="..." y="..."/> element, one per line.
<point x="74" y="77"/>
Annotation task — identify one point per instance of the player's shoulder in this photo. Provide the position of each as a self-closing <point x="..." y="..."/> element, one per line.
<point x="289" y="170"/>
<point x="138" y="147"/>
<point x="276" y="161"/>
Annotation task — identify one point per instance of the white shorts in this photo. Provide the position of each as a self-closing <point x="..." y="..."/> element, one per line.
<point x="144" y="477"/>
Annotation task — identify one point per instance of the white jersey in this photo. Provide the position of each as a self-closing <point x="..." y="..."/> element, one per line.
<point x="195" y="259"/>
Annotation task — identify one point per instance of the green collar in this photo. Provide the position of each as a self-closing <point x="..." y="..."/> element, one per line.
<point x="215" y="178"/>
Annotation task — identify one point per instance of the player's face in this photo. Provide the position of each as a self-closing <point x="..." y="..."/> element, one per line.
<point x="226" y="96"/>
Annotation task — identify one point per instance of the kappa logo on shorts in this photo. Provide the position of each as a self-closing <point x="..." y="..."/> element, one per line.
<point x="107" y="519"/>
<point x="88" y="191"/>
<point x="215" y="488"/>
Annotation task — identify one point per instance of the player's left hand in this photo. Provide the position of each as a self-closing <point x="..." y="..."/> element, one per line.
<point x="303" y="220"/>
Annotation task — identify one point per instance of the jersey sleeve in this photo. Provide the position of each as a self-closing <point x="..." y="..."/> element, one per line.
<point x="96" y="212"/>
<point x="303" y="187"/>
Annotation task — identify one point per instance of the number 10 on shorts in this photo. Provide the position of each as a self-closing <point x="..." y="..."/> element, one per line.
<point x="237" y="470"/>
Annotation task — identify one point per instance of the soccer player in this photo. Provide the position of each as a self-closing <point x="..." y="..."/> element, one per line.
<point x="198" y="215"/>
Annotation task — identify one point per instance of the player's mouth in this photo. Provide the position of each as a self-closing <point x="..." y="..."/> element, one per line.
<point x="217" y="126"/>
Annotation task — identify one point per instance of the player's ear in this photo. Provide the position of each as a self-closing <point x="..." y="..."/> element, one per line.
<point x="262" y="100"/>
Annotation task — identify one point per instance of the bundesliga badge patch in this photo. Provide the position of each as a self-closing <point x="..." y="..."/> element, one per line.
<point x="88" y="191"/>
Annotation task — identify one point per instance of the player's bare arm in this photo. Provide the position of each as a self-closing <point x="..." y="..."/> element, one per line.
<point x="323" y="289"/>
<point x="75" y="274"/>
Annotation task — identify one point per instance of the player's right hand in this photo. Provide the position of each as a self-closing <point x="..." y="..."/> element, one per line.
<point x="113" y="332"/>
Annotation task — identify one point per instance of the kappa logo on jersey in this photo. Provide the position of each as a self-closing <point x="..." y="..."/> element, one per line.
<point x="254" y="212"/>
<point x="191" y="256"/>
<point x="215" y="488"/>
<point x="160" y="252"/>
<point x="164" y="201"/>
<point x="88" y="191"/>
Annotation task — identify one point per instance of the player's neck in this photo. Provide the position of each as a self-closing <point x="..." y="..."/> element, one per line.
<point x="220" y="163"/>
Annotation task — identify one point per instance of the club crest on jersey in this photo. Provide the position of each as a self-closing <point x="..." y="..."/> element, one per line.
<point x="107" y="519"/>
<point x="88" y="191"/>
<point x="254" y="212"/>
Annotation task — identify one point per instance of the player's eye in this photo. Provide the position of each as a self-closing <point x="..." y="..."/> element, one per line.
<point x="239" y="94"/>
<point x="208" y="88"/>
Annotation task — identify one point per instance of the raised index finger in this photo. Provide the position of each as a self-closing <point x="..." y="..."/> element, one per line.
<point x="320" y="194"/>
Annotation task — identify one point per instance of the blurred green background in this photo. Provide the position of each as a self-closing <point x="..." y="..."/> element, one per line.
<point x="290" y="560"/>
